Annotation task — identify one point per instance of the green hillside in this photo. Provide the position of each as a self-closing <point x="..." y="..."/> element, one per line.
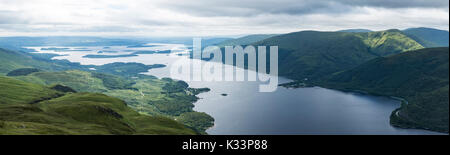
<point x="355" y="30"/>
<point x="313" y="55"/>
<point x="429" y="37"/>
<point x="421" y="77"/>
<point x="27" y="108"/>
<point x="246" y="40"/>
<point x="11" y="60"/>
<point x="384" y="43"/>
<point x="145" y="94"/>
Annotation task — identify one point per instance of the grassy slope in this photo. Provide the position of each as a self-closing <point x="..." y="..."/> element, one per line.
<point x="355" y="30"/>
<point x="384" y="43"/>
<point x="14" y="91"/>
<point x="82" y="81"/>
<point x="79" y="113"/>
<point x="313" y="55"/>
<point x="144" y="94"/>
<point x="125" y="69"/>
<point x="11" y="60"/>
<point x="420" y="77"/>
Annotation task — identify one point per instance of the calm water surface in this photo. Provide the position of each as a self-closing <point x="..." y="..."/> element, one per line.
<point x="286" y="111"/>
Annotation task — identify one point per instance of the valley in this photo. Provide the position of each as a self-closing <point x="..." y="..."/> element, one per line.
<point x="382" y="64"/>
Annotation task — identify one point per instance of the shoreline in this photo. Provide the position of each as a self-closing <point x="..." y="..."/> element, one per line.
<point x="391" y="117"/>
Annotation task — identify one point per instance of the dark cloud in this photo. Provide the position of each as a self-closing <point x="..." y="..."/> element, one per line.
<point x="215" y="17"/>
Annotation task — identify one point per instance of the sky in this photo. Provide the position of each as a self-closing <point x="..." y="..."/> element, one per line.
<point x="213" y="17"/>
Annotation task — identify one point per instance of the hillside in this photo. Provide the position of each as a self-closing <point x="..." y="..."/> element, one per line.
<point x="27" y="108"/>
<point x="246" y="40"/>
<point x="11" y="60"/>
<point x="389" y="42"/>
<point x="421" y="77"/>
<point x="213" y="41"/>
<point x="313" y="55"/>
<point x="356" y="30"/>
<point x="145" y="94"/>
<point x="429" y="37"/>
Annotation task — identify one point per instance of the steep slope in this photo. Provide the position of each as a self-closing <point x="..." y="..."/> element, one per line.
<point x="11" y="60"/>
<point x="14" y="91"/>
<point x="429" y="37"/>
<point x="313" y="55"/>
<point x="421" y="77"/>
<point x="384" y="43"/>
<point x="27" y="108"/>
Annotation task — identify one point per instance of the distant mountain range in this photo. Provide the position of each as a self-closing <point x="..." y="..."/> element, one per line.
<point x="390" y="63"/>
<point x="312" y="54"/>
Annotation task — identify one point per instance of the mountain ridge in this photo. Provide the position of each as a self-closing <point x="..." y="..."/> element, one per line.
<point x="421" y="77"/>
<point x="313" y="54"/>
<point x="429" y="37"/>
<point x="51" y="112"/>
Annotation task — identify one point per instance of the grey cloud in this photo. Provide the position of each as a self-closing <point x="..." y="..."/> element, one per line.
<point x="11" y="17"/>
<point x="295" y="7"/>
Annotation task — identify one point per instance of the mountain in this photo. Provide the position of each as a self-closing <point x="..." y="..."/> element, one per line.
<point x="27" y="108"/>
<point x="356" y="30"/>
<point x="313" y="55"/>
<point x="145" y="94"/>
<point x="429" y="37"/>
<point x="421" y="77"/>
<point x="246" y="40"/>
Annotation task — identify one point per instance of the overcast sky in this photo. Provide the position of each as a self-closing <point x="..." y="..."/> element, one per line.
<point x="213" y="17"/>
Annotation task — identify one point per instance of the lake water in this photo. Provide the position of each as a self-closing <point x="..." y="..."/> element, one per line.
<point x="245" y="110"/>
